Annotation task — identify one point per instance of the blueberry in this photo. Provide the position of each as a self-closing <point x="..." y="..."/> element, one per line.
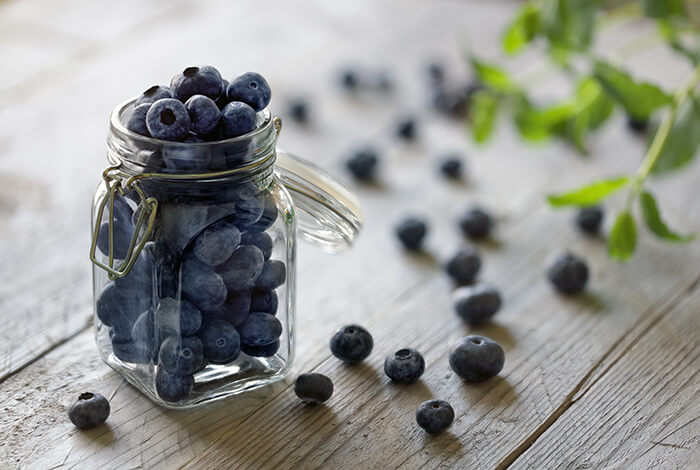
<point x="89" y="411"/>
<point x="181" y="223"/>
<point x="435" y="416"/>
<point x="464" y="265"/>
<point x="411" y="231"/>
<point x="260" y="329"/>
<point x="260" y="239"/>
<point x="264" y="301"/>
<point x="137" y="284"/>
<point x="202" y="286"/>
<point x="299" y="111"/>
<point x="451" y="167"/>
<point x="383" y="82"/>
<point x="168" y="119"/>
<point x="236" y="308"/>
<point x="122" y="233"/>
<point x="436" y="72"/>
<point x="181" y="355"/>
<point x="118" y="309"/>
<point x="242" y="267"/>
<point x="405" y="365"/>
<point x="131" y="351"/>
<point x="351" y="344"/>
<point x="568" y="273"/>
<point x="314" y="388"/>
<point x="153" y="94"/>
<point x="236" y="119"/>
<point x="268" y="350"/>
<point x="349" y="79"/>
<point x="144" y="335"/>
<point x="638" y="126"/>
<point x="250" y="205"/>
<point x="363" y="164"/>
<point x="173" y="387"/>
<point x="273" y="275"/>
<point x="165" y="264"/>
<point x="221" y="341"/>
<point x="137" y="120"/>
<point x="217" y="242"/>
<point x="406" y="129"/>
<point x="476" y="304"/>
<point x="589" y="219"/>
<point x="178" y="157"/>
<point x="477" y="358"/>
<point x="268" y="217"/>
<point x="177" y="317"/>
<point x="475" y="223"/>
<point x="123" y="211"/>
<point x="252" y="89"/>
<point x="203" y="80"/>
<point x="204" y="113"/>
<point x="223" y="100"/>
<point x="450" y="102"/>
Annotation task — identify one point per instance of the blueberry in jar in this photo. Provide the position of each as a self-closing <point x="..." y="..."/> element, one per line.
<point x="204" y="114"/>
<point x="250" y="206"/>
<point x="568" y="273"/>
<point x="464" y="265"/>
<point x="242" y="268"/>
<point x="352" y="344"/>
<point x="181" y="355"/>
<point x="202" y="80"/>
<point x="404" y="366"/>
<point x="313" y="388"/>
<point x="264" y="301"/>
<point x="168" y="119"/>
<point x="153" y="94"/>
<point x="589" y="219"/>
<point x="268" y="216"/>
<point x="137" y="120"/>
<point x="362" y="164"/>
<point x="122" y="233"/>
<point x="89" y="411"/>
<point x="201" y="285"/>
<point x="236" y="308"/>
<point x="262" y="240"/>
<point x="118" y="309"/>
<point x="221" y="341"/>
<point x="435" y="416"/>
<point x="222" y="100"/>
<point x="475" y="223"/>
<point x="267" y="350"/>
<point x="260" y="329"/>
<point x="252" y="89"/>
<point x="411" y="231"/>
<point x="173" y="387"/>
<point x="217" y="242"/>
<point x="476" y="358"/>
<point x="477" y="304"/>
<point x="177" y="317"/>
<point x="273" y="275"/>
<point x="236" y="119"/>
<point x="131" y="351"/>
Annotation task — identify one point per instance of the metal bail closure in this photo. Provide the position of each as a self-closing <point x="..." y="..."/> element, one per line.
<point x="118" y="182"/>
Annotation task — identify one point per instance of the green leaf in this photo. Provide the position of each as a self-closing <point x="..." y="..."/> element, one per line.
<point x="492" y="76"/>
<point x="681" y="145"/>
<point x="482" y="114"/>
<point x="592" y="107"/>
<point x="639" y="99"/>
<point x="663" y="8"/>
<point x="568" y="24"/>
<point x="652" y="217"/>
<point x="589" y="194"/>
<point x="623" y="237"/>
<point x="522" y="30"/>
<point x="540" y="123"/>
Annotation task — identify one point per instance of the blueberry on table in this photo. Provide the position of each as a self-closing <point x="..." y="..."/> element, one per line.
<point x="260" y="329"/>
<point x="177" y="317"/>
<point x="236" y="308"/>
<point x="362" y="164"/>
<point x="404" y="366"/>
<point x="273" y="275"/>
<point x="435" y="416"/>
<point x="299" y="111"/>
<point x="406" y="129"/>
<point x="203" y="80"/>
<point x="217" y="242"/>
<point x="351" y="344"/>
<point x="173" y="387"/>
<point x="450" y="102"/>
<point x="349" y="79"/>
<point x="638" y="126"/>
<point x="181" y="355"/>
<point x="264" y="301"/>
<point x="204" y="114"/>
<point x="568" y="273"/>
<point x="589" y="219"/>
<point x="477" y="358"/>
<point x="200" y="285"/>
<point x="313" y="388"/>
<point x="241" y="269"/>
<point x="252" y="89"/>
<point x="221" y="341"/>
<point x="168" y="119"/>
<point x="153" y="94"/>
<point x="260" y="239"/>
<point x="89" y="411"/>
<point x="477" y="304"/>
<point x="236" y="119"/>
<point x="137" y="120"/>
<point x="475" y="223"/>
<point x="464" y="265"/>
<point x="411" y="231"/>
<point x="268" y="350"/>
<point x="436" y="72"/>
<point x="451" y="167"/>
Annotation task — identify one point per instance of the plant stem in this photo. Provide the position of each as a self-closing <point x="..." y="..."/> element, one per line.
<point x="661" y="135"/>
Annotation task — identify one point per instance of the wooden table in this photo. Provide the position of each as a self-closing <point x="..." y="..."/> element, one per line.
<point x="609" y="379"/>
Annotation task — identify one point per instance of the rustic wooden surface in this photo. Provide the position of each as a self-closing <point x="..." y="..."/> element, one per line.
<point x="609" y="379"/>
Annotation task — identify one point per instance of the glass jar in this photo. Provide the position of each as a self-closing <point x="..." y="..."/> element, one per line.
<point x="193" y="251"/>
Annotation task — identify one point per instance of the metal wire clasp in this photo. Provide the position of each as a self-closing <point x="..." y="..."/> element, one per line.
<point x="117" y="181"/>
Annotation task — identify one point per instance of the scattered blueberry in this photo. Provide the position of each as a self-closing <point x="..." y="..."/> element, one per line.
<point x="363" y="164"/>
<point x="204" y="80"/>
<point x="638" y="126"/>
<point x="204" y="114"/>
<point x="313" y="388"/>
<point x="260" y="239"/>
<point x="451" y="167"/>
<point x="477" y="358"/>
<point x="475" y="223"/>
<point x="153" y="94"/>
<point x="260" y="329"/>
<point x="450" y="102"/>
<point x="406" y="129"/>
<point x="478" y="303"/>
<point x="137" y="120"/>
<point x="405" y="365"/>
<point x="217" y="242"/>
<point x="173" y="387"/>
<point x="268" y="350"/>
<point x="264" y="301"/>
<point x="411" y="231"/>
<point x="252" y="89"/>
<point x="299" y="110"/>
<point x="236" y="119"/>
<point x="242" y="267"/>
<point x="464" y="265"/>
<point x="435" y="416"/>
<point x="168" y="119"/>
<point x="202" y="286"/>
<point x="273" y="275"/>
<point x="349" y="79"/>
<point x="568" y="273"/>
<point x="436" y="72"/>
<point x="221" y="341"/>
<point x="89" y="411"/>
<point x="181" y="355"/>
<point x="589" y="219"/>
<point x="351" y="344"/>
<point x="177" y="317"/>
